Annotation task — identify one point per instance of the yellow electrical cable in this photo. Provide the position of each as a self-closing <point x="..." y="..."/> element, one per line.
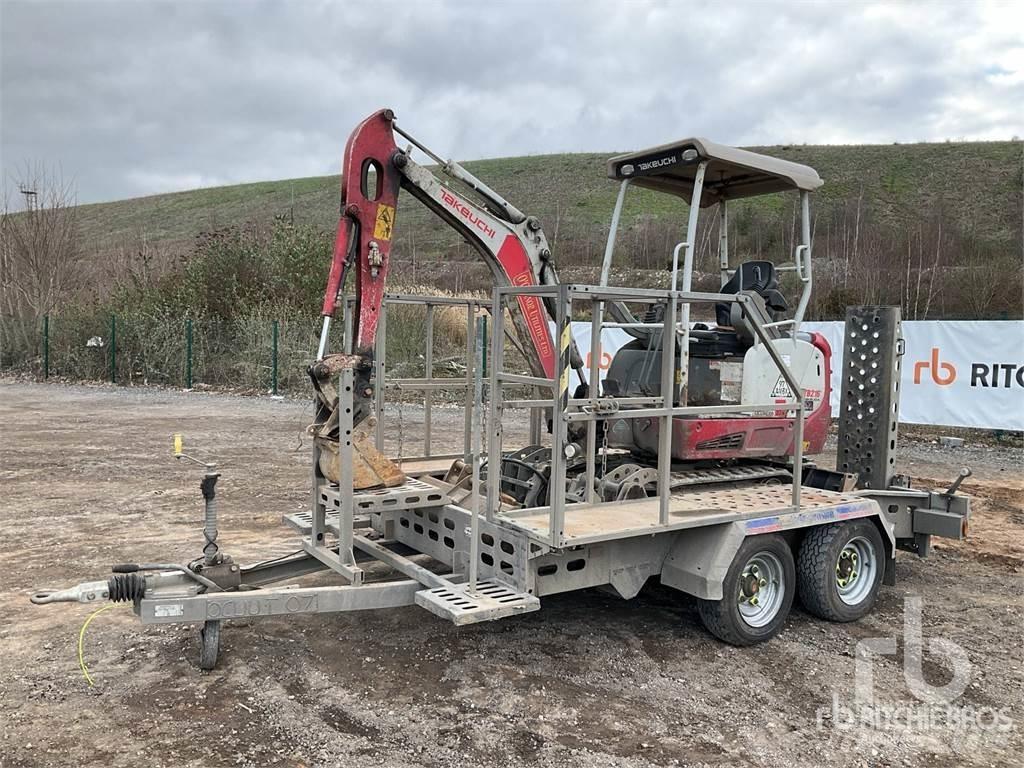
<point x="81" y="640"/>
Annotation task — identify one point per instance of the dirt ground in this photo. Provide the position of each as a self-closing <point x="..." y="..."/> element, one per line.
<point x="590" y="680"/>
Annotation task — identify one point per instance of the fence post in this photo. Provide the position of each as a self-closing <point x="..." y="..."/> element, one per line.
<point x="46" y="347"/>
<point x="188" y="353"/>
<point x="273" y="360"/>
<point x="113" y="349"/>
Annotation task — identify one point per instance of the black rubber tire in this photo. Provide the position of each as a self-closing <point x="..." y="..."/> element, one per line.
<point x="816" y="569"/>
<point x="722" y="617"/>
<point x="209" y="644"/>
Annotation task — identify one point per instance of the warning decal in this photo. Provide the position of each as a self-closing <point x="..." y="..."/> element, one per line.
<point x="781" y="389"/>
<point x="385" y="222"/>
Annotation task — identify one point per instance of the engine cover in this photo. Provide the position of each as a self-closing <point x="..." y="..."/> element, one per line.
<point x="759" y="435"/>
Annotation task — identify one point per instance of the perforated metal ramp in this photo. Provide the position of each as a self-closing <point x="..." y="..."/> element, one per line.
<point x="412" y="493"/>
<point x="490" y="601"/>
<point x="869" y="404"/>
<point x="303" y="522"/>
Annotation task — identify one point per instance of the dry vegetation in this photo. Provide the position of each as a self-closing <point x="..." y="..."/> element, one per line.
<point x="935" y="228"/>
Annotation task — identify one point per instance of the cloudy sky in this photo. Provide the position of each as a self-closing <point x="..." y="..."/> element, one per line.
<point x="135" y="98"/>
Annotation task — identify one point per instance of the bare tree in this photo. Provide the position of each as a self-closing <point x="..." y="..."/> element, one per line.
<point x="40" y="253"/>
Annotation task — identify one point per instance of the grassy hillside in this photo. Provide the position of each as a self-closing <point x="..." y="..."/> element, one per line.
<point x="976" y="186"/>
<point x="935" y="228"/>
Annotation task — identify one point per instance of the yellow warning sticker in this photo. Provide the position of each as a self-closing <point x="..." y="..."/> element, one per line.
<point x="566" y="337"/>
<point x="385" y="222"/>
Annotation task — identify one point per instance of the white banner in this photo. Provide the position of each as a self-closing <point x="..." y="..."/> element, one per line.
<point x="957" y="373"/>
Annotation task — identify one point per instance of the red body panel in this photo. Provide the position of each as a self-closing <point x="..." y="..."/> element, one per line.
<point x="516" y="264"/>
<point x="695" y="438"/>
<point x="363" y="239"/>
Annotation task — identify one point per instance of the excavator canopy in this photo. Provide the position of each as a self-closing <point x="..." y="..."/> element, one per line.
<point x="731" y="173"/>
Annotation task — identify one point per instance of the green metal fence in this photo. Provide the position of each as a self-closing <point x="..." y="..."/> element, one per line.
<point x="259" y="353"/>
<point x="263" y="355"/>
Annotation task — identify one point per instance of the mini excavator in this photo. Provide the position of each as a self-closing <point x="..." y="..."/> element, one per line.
<point x="726" y="365"/>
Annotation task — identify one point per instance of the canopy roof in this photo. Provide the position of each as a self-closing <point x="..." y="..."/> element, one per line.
<point x="731" y="173"/>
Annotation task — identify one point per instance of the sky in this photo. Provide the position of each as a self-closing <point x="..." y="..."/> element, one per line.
<point x="125" y="99"/>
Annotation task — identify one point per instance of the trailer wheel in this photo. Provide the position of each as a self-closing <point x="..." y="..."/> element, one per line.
<point x="209" y="644"/>
<point x="758" y="593"/>
<point x="840" y="569"/>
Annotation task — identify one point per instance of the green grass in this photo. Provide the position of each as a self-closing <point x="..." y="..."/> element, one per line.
<point x="976" y="185"/>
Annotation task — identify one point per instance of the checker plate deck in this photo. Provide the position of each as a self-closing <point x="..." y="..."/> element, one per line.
<point x="689" y="509"/>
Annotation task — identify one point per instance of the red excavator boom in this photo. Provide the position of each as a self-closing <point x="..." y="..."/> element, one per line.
<point x="512" y="244"/>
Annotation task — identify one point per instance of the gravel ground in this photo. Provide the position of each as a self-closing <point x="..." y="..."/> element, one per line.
<point x="590" y="680"/>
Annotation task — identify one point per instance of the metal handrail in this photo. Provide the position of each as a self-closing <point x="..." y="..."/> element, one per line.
<point x="428" y="383"/>
<point x="566" y="410"/>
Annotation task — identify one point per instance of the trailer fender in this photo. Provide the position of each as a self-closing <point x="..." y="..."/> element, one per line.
<point x="699" y="559"/>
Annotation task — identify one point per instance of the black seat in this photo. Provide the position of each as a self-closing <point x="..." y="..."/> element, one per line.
<point x="759" y="277"/>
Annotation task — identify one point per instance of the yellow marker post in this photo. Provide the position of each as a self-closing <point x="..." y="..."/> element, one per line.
<point x="177" y="445"/>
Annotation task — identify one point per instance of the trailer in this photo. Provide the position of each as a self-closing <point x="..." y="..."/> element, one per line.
<point x="685" y="462"/>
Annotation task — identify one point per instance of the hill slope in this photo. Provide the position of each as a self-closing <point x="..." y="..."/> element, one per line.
<point x="977" y="185"/>
<point x="934" y="228"/>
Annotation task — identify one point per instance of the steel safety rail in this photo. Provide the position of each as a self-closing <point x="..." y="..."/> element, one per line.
<point x="427" y="383"/>
<point x="567" y="410"/>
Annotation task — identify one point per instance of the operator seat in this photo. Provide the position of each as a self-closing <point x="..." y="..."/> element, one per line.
<point x="759" y="277"/>
<point x="759" y="280"/>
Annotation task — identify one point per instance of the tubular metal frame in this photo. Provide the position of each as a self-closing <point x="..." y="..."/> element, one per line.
<point x="568" y="410"/>
<point x="594" y="408"/>
<point x="428" y="383"/>
<point x="801" y="264"/>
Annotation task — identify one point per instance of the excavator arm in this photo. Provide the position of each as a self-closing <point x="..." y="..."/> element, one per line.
<point x="512" y="244"/>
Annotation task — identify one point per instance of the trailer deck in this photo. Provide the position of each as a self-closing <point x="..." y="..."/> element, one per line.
<point x="765" y="507"/>
<point x="689" y="509"/>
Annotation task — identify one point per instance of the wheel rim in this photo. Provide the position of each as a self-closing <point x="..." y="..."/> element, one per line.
<point x="855" y="570"/>
<point x="761" y="589"/>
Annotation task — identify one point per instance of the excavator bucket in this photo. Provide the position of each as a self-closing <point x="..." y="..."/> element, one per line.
<point x="370" y="468"/>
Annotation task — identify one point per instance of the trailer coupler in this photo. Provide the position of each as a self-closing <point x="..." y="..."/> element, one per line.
<point x="129" y="584"/>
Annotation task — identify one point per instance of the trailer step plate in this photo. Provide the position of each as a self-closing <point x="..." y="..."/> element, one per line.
<point x="302" y="522"/>
<point x="490" y="601"/>
<point x="411" y="493"/>
<point x="726" y="475"/>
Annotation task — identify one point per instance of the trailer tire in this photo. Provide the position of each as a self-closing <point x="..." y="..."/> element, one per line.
<point x="209" y="644"/>
<point x="762" y="571"/>
<point x="829" y="556"/>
